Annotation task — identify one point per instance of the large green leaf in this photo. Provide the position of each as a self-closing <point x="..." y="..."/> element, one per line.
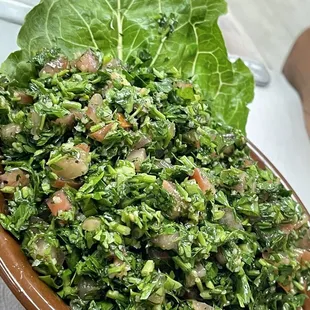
<point x="183" y="34"/>
<point x="18" y="68"/>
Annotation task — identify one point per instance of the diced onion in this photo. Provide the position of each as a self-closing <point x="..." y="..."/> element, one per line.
<point x="220" y="257"/>
<point x="164" y="164"/>
<point x="8" y="132"/>
<point x="43" y="249"/>
<point x="197" y="305"/>
<point x="71" y="167"/>
<point x="91" y="224"/>
<point x="95" y="101"/>
<point x="142" y="142"/>
<point x="86" y="286"/>
<point x="167" y="242"/>
<point x="137" y="157"/>
<point x="158" y="297"/>
<point x="198" y="272"/>
<point x="230" y="220"/>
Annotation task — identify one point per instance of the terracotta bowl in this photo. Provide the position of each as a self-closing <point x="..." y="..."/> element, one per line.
<point x="36" y="295"/>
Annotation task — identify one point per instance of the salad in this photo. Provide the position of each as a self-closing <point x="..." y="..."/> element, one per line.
<point x="126" y="175"/>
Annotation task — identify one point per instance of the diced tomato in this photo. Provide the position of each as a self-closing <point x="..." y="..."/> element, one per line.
<point x="123" y="122"/>
<point x="55" y="66"/>
<point x="14" y="178"/>
<point x="287" y="228"/>
<point x="304" y="256"/>
<point x="83" y="146"/>
<point x="60" y="183"/>
<point x="77" y="114"/>
<point x="88" y="62"/>
<point x="100" y="134"/>
<point x="23" y="97"/>
<point x="169" y="187"/>
<point x="91" y="113"/>
<point x="59" y="202"/>
<point x="67" y="120"/>
<point x="202" y="181"/>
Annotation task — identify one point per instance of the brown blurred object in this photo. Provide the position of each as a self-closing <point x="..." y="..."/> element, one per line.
<point x="297" y="72"/>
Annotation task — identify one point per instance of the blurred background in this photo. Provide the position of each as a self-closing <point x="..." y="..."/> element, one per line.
<point x="273" y="25"/>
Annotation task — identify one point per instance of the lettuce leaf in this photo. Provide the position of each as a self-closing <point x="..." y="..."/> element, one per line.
<point x="18" y="68"/>
<point x="184" y="35"/>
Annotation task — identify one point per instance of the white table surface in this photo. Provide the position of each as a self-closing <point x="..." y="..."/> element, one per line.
<point x="275" y="123"/>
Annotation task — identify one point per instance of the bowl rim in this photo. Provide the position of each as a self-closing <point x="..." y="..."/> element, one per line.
<point x="34" y="294"/>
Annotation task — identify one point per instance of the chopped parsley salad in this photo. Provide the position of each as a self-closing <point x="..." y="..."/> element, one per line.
<point x="125" y="193"/>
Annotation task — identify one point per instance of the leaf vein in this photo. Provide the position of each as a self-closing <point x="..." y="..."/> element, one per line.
<point x="46" y="23"/>
<point x="85" y="23"/>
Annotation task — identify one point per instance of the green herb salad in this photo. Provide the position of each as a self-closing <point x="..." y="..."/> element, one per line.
<point x="126" y="175"/>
